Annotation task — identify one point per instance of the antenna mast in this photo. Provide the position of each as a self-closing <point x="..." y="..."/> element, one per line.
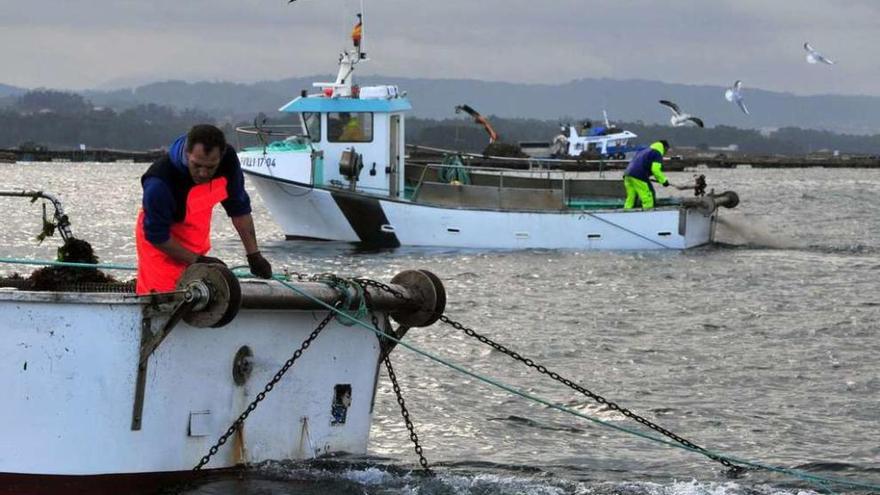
<point x="363" y="16"/>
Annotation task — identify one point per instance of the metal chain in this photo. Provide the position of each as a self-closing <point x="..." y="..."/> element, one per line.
<point x="392" y="376"/>
<point x="596" y="397"/>
<point x="565" y="381"/>
<point x="365" y="282"/>
<point x="269" y="386"/>
<point x="405" y="413"/>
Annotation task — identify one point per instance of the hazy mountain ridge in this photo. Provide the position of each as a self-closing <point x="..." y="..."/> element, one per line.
<point x="7" y="90"/>
<point x="60" y="119"/>
<point x="624" y="100"/>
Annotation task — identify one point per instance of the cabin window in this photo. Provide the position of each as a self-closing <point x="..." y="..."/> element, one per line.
<point x="311" y="122"/>
<point x="350" y="127"/>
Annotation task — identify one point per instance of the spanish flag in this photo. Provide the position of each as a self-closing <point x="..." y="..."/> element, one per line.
<point x="357" y="32"/>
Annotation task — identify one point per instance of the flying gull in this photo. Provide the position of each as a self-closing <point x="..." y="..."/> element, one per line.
<point x="815" y="57"/>
<point x="679" y="119"/>
<point x="734" y="94"/>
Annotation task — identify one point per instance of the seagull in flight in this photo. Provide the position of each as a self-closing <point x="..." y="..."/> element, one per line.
<point x="734" y="94"/>
<point x="815" y="57"/>
<point x="679" y="119"/>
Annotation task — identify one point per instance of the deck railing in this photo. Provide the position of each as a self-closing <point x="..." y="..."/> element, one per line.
<point x="557" y="185"/>
<point x="264" y="134"/>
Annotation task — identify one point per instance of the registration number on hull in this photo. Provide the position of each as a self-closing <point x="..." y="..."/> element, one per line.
<point x="258" y="162"/>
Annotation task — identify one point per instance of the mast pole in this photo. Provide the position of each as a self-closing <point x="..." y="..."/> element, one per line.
<point x="363" y="26"/>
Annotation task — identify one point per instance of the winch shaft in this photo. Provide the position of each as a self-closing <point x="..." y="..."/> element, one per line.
<point x="414" y="298"/>
<point x="272" y="295"/>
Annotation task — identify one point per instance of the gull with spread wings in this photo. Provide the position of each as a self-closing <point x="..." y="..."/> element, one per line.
<point x="734" y="95"/>
<point x="678" y="118"/>
<point x="815" y="57"/>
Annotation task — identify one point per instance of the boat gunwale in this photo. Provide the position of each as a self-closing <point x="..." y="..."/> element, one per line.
<point x="566" y="211"/>
<point x="11" y="294"/>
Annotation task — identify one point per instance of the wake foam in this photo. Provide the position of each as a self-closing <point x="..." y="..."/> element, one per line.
<point x="342" y="476"/>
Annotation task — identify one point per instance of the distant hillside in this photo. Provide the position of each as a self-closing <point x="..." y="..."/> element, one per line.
<point x="60" y="119"/>
<point x="7" y="90"/>
<point x="8" y="95"/>
<point x="629" y="100"/>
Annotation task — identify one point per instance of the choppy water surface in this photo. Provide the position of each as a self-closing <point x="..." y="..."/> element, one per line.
<point x="764" y="347"/>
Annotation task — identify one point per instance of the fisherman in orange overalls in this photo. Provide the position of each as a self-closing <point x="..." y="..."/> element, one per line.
<point x="180" y="191"/>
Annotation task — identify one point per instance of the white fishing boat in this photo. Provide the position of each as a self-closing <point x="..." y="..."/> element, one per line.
<point x="105" y="390"/>
<point x="346" y="178"/>
<point x="607" y="142"/>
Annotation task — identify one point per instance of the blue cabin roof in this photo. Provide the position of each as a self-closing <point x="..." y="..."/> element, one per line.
<point x="319" y="104"/>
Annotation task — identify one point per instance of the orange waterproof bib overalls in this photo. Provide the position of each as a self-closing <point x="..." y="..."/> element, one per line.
<point x="156" y="270"/>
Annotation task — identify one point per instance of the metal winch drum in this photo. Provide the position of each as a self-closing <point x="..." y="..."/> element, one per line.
<point x="216" y="296"/>
<point x="711" y="202"/>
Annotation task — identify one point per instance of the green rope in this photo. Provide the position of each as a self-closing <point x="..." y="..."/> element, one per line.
<point x="342" y="286"/>
<point x="355" y="318"/>
<point x="102" y="266"/>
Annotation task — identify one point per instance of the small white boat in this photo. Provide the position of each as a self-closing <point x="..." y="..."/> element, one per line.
<point x="607" y="142"/>
<point x="347" y="179"/>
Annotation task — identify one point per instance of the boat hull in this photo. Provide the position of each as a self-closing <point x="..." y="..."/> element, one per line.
<point x="107" y="484"/>
<point x="69" y="374"/>
<point x="307" y="212"/>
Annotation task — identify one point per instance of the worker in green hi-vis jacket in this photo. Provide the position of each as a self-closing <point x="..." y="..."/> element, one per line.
<point x="637" y="177"/>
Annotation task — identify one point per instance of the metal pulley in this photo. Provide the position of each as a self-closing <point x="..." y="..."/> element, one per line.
<point x="711" y="202"/>
<point x="214" y="292"/>
<point x="427" y="291"/>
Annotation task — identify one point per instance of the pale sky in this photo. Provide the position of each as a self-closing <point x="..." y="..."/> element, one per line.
<point x="84" y="44"/>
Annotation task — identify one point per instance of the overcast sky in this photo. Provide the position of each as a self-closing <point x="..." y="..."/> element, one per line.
<point x="80" y="44"/>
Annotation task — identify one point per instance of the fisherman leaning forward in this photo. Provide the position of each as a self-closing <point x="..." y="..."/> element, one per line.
<point x="180" y="191"/>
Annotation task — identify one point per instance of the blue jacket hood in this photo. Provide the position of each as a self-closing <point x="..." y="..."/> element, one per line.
<point x="177" y="153"/>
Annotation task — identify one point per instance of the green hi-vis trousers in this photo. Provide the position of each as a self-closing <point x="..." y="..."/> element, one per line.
<point x="637" y="187"/>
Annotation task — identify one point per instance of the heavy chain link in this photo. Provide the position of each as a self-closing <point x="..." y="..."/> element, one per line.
<point x="364" y="283"/>
<point x="269" y="386"/>
<point x="405" y="413"/>
<point x="596" y="397"/>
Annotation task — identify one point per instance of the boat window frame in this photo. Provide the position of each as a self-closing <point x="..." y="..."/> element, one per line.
<point x="372" y="127"/>
<point x="304" y="121"/>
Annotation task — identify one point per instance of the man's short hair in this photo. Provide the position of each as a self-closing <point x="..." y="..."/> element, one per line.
<point x="665" y="144"/>
<point x="208" y="135"/>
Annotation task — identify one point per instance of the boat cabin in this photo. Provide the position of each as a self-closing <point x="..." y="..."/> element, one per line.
<point x="354" y="142"/>
<point x="358" y="141"/>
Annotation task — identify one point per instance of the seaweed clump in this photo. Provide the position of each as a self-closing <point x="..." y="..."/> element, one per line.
<point x="507" y="150"/>
<point x="59" y="278"/>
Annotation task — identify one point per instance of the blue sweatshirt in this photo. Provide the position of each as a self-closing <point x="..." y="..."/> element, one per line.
<point x="167" y="183"/>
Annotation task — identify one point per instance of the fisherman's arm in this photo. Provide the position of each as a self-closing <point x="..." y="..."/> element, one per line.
<point x="259" y="265"/>
<point x="657" y="172"/>
<point x="177" y="252"/>
<point x="244" y="225"/>
<point x="238" y="207"/>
